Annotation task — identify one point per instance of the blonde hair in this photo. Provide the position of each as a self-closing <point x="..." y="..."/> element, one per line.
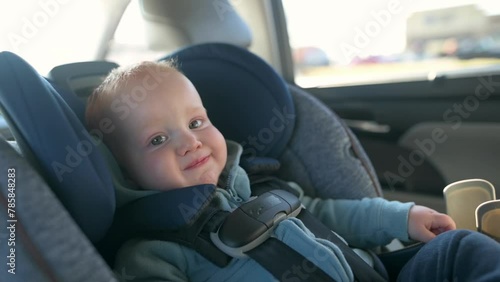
<point x="114" y="85"/>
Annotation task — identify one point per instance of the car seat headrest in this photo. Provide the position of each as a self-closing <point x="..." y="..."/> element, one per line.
<point x="245" y="98"/>
<point x="76" y="81"/>
<point x="53" y="139"/>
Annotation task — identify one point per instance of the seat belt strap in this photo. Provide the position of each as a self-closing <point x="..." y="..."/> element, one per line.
<point x="286" y="264"/>
<point x="279" y="259"/>
<point x="247" y="230"/>
<point x="361" y="270"/>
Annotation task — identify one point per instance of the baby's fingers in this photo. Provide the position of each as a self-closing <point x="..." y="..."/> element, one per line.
<point x="441" y="223"/>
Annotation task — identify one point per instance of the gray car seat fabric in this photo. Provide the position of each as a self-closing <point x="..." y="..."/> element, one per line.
<point x="49" y="246"/>
<point x="323" y="155"/>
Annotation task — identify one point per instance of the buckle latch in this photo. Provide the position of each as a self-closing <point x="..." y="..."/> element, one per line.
<point x="253" y="222"/>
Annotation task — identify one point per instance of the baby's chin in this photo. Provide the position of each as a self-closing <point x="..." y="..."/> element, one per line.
<point x="209" y="178"/>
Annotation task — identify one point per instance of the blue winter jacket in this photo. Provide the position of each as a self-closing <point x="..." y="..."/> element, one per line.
<point x="364" y="223"/>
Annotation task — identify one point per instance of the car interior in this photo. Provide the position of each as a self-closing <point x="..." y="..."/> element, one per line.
<point x="431" y="140"/>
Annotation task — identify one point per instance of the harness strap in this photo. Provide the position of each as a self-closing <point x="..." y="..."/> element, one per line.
<point x="279" y="259"/>
<point x="197" y="235"/>
<point x="286" y="264"/>
<point x="275" y="256"/>
<point x="361" y="270"/>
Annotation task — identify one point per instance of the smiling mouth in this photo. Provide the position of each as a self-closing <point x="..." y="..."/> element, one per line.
<point x="197" y="163"/>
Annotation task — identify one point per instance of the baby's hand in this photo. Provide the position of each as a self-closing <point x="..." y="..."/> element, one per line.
<point x="425" y="223"/>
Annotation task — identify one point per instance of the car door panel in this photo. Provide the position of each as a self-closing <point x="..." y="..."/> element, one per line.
<point x="423" y="135"/>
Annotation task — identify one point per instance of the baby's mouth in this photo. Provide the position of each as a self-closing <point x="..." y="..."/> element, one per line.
<point x="197" y="163"/>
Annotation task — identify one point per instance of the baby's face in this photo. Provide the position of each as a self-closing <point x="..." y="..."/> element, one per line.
<point x="167" y="140"/>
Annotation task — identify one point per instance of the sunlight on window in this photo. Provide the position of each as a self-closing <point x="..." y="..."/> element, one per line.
<point x="390" y="40"/>
<point x="48" y="33"/>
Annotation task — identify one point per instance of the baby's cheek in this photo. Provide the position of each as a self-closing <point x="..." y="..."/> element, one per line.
<point x="157" y="172"/>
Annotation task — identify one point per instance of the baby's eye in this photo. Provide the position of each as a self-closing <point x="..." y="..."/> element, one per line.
<point x="158" y="140"/>
<point x="195" y="123"/>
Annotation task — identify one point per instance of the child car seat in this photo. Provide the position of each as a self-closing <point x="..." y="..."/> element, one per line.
<point x="232" y="82"/>
<point x="54" y="141"/>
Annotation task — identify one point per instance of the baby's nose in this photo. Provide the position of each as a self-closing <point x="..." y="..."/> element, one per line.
<point x="187" y="142"/>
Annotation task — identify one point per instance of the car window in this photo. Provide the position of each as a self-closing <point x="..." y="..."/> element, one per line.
<point x="361" y="41"/>
<point x="52" y="32"/>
